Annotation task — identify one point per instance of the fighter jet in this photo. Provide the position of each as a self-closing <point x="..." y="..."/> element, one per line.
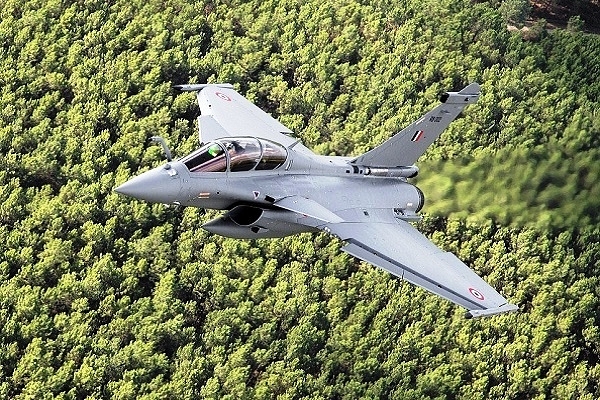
<point x="270" y="185"/>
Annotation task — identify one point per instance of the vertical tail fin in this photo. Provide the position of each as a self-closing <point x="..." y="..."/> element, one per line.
<point x="404" y="148"/>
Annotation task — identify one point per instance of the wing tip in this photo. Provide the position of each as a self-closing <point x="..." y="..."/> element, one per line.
<point x="194" y="87"/>
<point x="467" y="95"/>
<point x="472" y="89"/>
<point x="503" y="309"/>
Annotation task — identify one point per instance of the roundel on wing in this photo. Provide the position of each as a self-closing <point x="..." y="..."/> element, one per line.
<point x="223" y="96"/>
<point x="477" y="294"/>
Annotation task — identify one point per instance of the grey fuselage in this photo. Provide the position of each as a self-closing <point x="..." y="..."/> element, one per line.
<point x="349" y="191"/>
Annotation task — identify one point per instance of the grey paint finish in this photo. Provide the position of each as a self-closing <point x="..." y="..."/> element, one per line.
<point x="366" y="201"/>
<point x="407" y="146"/>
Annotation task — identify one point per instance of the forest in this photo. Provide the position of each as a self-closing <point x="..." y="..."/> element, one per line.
<point x="106" y="297"/>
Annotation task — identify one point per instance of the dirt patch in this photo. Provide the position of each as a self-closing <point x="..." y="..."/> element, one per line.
<point x="558" y="12"/>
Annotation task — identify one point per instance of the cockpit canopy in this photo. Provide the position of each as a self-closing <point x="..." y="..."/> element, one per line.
<point x="239" y="154"/>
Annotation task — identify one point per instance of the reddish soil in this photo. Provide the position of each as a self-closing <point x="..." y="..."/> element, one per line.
<point x="558" y="12"/>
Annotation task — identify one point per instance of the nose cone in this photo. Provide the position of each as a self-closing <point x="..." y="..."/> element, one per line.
<point x="160" y="185"/>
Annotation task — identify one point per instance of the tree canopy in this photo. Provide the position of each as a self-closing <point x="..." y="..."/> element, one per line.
<point x="107" y="297"/>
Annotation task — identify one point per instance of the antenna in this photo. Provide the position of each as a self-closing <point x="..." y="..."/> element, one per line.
<point x="163" y="143"/>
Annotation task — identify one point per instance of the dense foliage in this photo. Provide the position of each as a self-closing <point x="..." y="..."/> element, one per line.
<point x="107" y="297"/>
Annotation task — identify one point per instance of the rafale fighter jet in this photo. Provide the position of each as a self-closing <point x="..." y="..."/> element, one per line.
<point x="272" y="186"/>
